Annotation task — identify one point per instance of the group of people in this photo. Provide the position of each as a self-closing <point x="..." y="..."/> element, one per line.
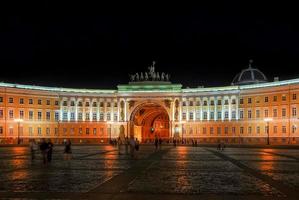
<point x="46" y="149"/>
<point x="158" y="143"/>
<point x="221" y="146"/>
<point x="132" y="143"/>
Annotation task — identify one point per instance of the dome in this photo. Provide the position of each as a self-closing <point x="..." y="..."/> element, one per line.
<point x="249" y="76"/>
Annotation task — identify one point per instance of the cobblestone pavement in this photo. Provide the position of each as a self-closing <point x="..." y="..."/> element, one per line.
<point x="99" y="172"/>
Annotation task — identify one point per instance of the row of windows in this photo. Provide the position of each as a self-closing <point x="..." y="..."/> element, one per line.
<point x="39" y="131"/>
<point x="30" y="101"/>
<point x="241" y="114"/>
<point x="266" y="99"/>
<point x="241" y="130"/>
<point x="205" y="103"/>
<point x="87" y="104"/>
<point x="88" y="116"/>
<point x="11" y="115"/>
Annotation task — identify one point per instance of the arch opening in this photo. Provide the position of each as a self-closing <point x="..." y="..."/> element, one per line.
<point x="148" y="121"/>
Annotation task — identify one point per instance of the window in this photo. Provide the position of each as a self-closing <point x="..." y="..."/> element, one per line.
<point x="294" y="128"/>
<point x="211" y="130"/>
<point x="102" y="104"/>
<point x="47" y="131"/>
<point x="283" y="112"/>
<point x="233" y="130"/>
<point x="108" y="104"/>
<point x="94" y="104"/>
<point x="48" y="115"/>
<point x="191" y="115"/>
<point x="226" y="130"/>
<point x="284" y="98"/>
<point x="204" y="130"/>
<point x="64" y="131"/>
<point x="21" y="114"/>
<point x="1" y="114"/>
<point x="39" y="131"/>
<point x="226" y="102"/>
<point x="211" y="115"/>
<point x="184" y="103"/>
<point x="48" y="102"/>
<point x="241" y="130"/>
<point x="257" y="114"/>
<point x="87" y="131"/>
<point x="115" y="104"/>
<point x="219" y="102"/>
<point x="205" y="103"/>
<point x="80" y="104"/>
<point x="56" y="131"/>
<point x="275" y="98"/>
<point x="205" y="115"/>
<point x="56" y="116"/>
<point x="39" y="102"/>
<point x="94" y="116"/>
<point x="1" y="99"/>
<point x="275" y="129"/>
<point x="64" y="116"/>
<point x="80" y="116"/>
<point x="72" y="103"/>
<point x="266" y="99"/>
<point x="115" y="116"/>
<point x="294" y="96"/>
<point x="64" y="103"/>
<point x="294" y="112"/>
<point x="39" y="115"/>
<point x="233" y="101"/>
<point x="101" y="116"/>
<point x="30" y="131"/>
<point x="234" y="114"/>
<point x="257" y="100"/>
<point x="197" y="103"/>
<point x="266" y="113"/>
<point x="241" y="114"/>
<point x="249" y="114"/>
<point x="80" y="131"/>
<point x="21" y="101"/>
<point x="10" y="100"/>
<point x="275" y="112"/>
<point x="30" y="101"/>
<point x="284" y="129"/>
<point x="109" y="116"/>
<point x="258" y="130"/>
<point x="226" y="114"/>
<point x="218" y="130"/>
<point x="212" y="103"/>
<point x="10" y="131"/>
<point x="72" y="116"/>
<point x="11" y="114"/>
<point x="249" y="100"/>
<point x="1" y="130"/>
<point x="72" y="131"/>
<point x="219" y="115"/>
<point x="241" y="101"/>
<point x="87" y="117"/>
<point x="184" y="116"/>
<point x="56" y="103"/>
<point x="191" y="103"/>
<point x="249" y="130"/>
<point x="94" y="131"/>
<point x="31" y="115"/>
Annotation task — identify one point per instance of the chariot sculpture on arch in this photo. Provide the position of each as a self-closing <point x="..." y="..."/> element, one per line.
<point x="151" y="75"/>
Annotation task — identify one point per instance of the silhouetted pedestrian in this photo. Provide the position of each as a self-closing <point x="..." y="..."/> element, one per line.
<point x="44" y="148"/>
<point x="50" y="150"/>
<point x="68" y="150"/>
<point x="156" y="143"/>
<point x="33" y="148"/>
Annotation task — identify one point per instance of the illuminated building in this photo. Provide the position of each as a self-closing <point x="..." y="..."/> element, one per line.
<point x="251" y="110"/>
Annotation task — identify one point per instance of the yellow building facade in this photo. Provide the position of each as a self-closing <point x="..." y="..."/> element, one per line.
<point x="251" y="110"/>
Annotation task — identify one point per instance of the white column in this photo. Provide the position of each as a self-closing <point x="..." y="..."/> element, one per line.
<point x="90" y="110"/>
<point x="237" y="108"/>
<point x="118" y="106"/>
<point x="125" y="107"/>
<point x="69" y="110"/>
<point x="105" y="109"/>
<point x="201" y="107"/>
<point x="180" y="109"/>
<point x="83" y="109"/>
<point x="222" y="108"/>
<point x="76" y="109"/>
<point x="215" y="108"/>
<point x="229" y="108"/>
<point x="98" y="109"/>
<point x="208" y="112"/>
<point x="61" y="110"/>
<point x="187" y="110"/>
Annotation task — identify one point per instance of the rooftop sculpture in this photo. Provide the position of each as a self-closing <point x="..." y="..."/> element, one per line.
<point x="151" y="75"/>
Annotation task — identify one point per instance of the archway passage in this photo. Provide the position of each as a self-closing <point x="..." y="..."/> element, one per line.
<point x="148" y="121"/>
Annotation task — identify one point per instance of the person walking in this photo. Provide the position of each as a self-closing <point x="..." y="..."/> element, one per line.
<point x="132" y="146"/>
<point x="33" y="148"/>
<point x="160" y="143"/>
<point x="156" y="143"/>
<point x="174" y="142"/>
<point x="68" y="150"/>
<point x="44" y="148"/>
<point x="50" y="150"/>
<point x="119" y="143"/>
<point x="127" y="145"/>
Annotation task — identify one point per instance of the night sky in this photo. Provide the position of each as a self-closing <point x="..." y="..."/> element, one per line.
<point x="98" y="49"/>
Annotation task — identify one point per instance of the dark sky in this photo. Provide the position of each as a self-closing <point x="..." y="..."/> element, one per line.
<point x="98" y="46"/>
